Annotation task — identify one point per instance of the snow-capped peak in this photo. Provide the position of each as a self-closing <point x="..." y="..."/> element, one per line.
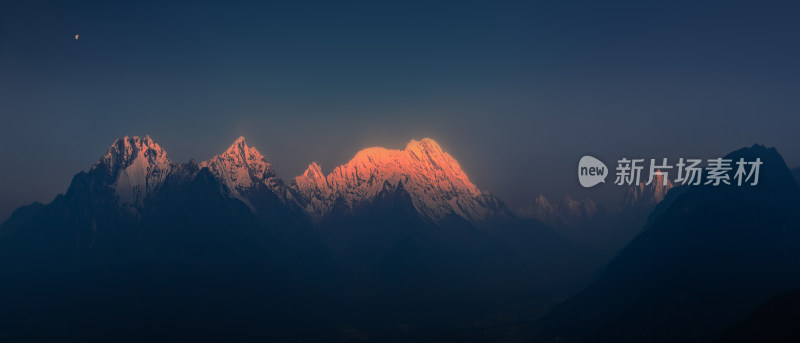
<point x="428" y="153"/>
<point x="136" y="167"/>
<point x="314" y="171"/>
<point x="126" y="150"/>
<point x="312" y="186"/>
<point x="239" y="147"/>
<point x="434" y="179"/>
<point x="241" y="167"/>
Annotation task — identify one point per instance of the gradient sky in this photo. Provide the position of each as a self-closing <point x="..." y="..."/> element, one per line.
<point x="516" y="91"/>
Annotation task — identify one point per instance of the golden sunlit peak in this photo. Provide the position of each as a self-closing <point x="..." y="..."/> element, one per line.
<point x="76" y="37"/>
<point x="240" y="147"/>
<point x="425" y="171"/>
<point x="314" y="167"/>
<point x="313" y="171"/>
<point x="423" y="144"/>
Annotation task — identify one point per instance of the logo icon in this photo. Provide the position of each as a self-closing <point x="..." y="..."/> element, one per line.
<point x="591" y="171"/>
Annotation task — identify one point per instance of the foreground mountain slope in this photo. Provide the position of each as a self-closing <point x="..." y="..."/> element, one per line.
<point x="411" y="271"/>
<point x="704" y="263"/>
<point x="777" y="320"/>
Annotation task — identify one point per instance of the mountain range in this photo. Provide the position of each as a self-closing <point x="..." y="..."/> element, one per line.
<point x="141" y="247"/>
<point x="605" y="228"/>
<point x="394" y="245"/>
<point x="137" y="167"/>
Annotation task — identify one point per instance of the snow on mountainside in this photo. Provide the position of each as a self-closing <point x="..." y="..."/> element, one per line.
<point x="136" y="167"/>
<point x="435" y="181"/>
<point x="241" y="168"/>
<point x="313" y="188"/>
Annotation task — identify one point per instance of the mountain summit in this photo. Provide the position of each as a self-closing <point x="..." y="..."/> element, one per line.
<point x="240" y="166"/>
<point x="438" y="186"/>
<point x="135" y="167"/>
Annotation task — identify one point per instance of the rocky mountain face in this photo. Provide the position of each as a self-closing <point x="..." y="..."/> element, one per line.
<point x="135" y="168"/>
<point x="435" y="181"/>
<point x="242" y="169"/>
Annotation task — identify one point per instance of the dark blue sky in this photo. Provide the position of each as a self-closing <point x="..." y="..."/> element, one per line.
<point x="516" y="91"/>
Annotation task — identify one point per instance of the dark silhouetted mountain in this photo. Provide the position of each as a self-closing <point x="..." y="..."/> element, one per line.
<point x="383" y="204"/>
<point x="706" y="261"/>
<point x="412" y="270"/>
<point x="142" y="248"/>
<point x="777" y="320"/>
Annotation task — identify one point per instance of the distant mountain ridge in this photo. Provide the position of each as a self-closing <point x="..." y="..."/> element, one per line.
<point x="606" y="228"/>
<point x="439" y="188"/>
<point x="566" y="212"/>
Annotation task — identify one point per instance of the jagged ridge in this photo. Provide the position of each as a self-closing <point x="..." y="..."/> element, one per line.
<point x="136" y="167"/>
<point x="438" y="186"/>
